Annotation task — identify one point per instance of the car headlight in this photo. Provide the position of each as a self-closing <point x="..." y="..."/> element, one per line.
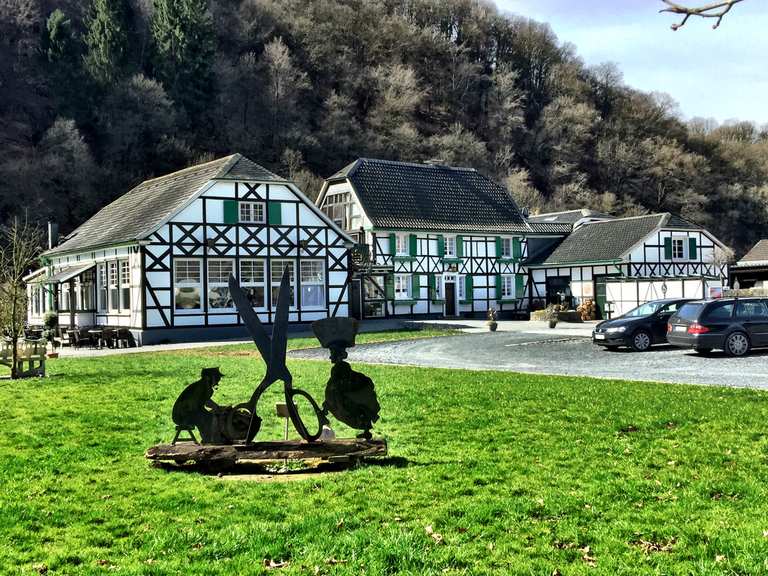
<point x="616" y="330"/>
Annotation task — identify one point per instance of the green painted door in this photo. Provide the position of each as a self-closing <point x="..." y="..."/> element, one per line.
<point x="601" y="296"/>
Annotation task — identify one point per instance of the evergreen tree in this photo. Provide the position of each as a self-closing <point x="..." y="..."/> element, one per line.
<point x="184" y="50"/>
<point x="106" y="40"/>
<point x="62" y="50"/>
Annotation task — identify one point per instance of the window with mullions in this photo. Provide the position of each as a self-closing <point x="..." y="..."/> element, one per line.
<point x="312" y="283"/>
<point x="402" y="286"/>
<point x="678" y="248"/>
<point x="114" y="286"/>
<point x="125" y="285"/>
<point x="219" y="297"/>
<point x="506" y="247"/>
<point x="188" y="285"/>
<point x="276" y="275"/>
<point x="103" y="283"/>
<point x="450" y="246"/>
<point x="84" y="287"/>
<point x="253" y="280"/>
<point x="251" y="212"/>
<point x="507" y="286"/>
<point x="401" y="244"/>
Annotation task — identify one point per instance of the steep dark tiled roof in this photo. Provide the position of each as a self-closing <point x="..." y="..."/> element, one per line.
<point x="140" y="211"/>
<point x="758" y="253"/>
<point x="401" y="195"/>
<point x="568" y="216"/>
<point x="608" y="240"/>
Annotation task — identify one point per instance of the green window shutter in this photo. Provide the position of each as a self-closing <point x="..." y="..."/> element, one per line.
<point x="519" y="286"/>
<point x="412" y="244"/>
<point x="668" y="248"/>
<point x="389" y="286"/>
<point x="499" y="290"/>
<point x="441" y="246"/>
<point x="392" y="243"/>
<point x="692" y="249"/>
<point x="459" y="247"/>
<point x="468" y="288"/>
<point x="416" y="286"/>
<point x="275" y="213"/>
<point x="432" y="286"/>
<point x="517" y="248"/>
<point x="230" y="212"/>
<point x="498" y="246"/>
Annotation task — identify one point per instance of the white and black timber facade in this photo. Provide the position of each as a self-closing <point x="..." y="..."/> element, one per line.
<point x="438" y="241"/>
<point x="157" y="260"/>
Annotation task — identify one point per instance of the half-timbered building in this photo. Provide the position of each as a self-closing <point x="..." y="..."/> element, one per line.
<point x="157" y="260"/>
<point x="752" y="270"/>
<point x="623" y="262"/>
<point x="434" y="240"/>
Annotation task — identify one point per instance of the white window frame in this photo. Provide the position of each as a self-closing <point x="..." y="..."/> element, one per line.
<point x="247" y="212"/>
<point x="318" y="265"/>
<point x="102" y="288"/>
<point x="401" y="245"/>
<point x="681" y="243"/>
<point x="276" y="266"/>
<point x="439" y="291"/>
<point x="247" y="283"/>
<point x="508" y="287"/>
<point x="506" y="247"/>
<point x="219" y="283"/>
<point x="402" y="286"/>
<point x="113" y="286"/>
<point x="450" y="247"/>
<point x="198" y="285"/>
<point x="124" y="276"/>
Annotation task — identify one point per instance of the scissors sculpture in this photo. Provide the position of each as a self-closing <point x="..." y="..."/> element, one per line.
<point x="349" y="396"/>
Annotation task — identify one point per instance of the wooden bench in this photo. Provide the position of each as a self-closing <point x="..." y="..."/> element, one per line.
<point x="31" y="352"/>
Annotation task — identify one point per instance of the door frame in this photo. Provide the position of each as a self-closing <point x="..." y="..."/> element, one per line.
<point x="451" y="278"/>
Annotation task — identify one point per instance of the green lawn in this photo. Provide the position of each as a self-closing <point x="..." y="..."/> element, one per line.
<point x="518" y="474"/>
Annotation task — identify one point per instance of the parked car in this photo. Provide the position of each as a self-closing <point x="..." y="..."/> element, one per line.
<point x="640" y="328"/>
<point x="735" y="325"/>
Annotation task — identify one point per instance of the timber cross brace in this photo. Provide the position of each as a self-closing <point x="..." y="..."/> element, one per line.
<point x="350" y="396"/>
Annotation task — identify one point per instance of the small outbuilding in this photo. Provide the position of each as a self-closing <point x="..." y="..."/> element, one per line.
<point x="752" y="270"/>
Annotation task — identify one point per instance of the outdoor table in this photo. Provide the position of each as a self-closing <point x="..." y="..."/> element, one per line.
<point x="96" y="335"/>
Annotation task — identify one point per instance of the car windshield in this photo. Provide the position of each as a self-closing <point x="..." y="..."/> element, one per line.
<point x="645" y="310"/>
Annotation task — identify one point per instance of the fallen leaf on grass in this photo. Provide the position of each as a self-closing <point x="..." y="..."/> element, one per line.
<point x="41" y="568"/>
<point x="588" y="560"/>
<point x="649" y="546"/>
<point x="272" y="565"/>
<point x="333" y="561"/>
<point x="765" y="533"/>
<point x="719" y="558"/>
<point x="340" y="523"/>
<point x="438" y="538"/>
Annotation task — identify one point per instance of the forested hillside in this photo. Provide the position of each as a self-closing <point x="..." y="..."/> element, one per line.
<point x="97" y="96"/>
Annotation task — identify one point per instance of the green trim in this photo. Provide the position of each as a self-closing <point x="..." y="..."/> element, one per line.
<point x="692" y="249"/>
<point x="408" y="302"/>
<point x="275" y="213"/>
<point x="416" y="286"/>
<point x="231" y="215"/>
<point x="509" y="260"/>
<point x="508" y="300"/>
<point x="520" y="286"/>
<point x="439" y="301"/>
<point x="517" y="248"/>
<point x="499" y="249"/>
<point x="469" y="287"/>
<point x="413" y="243"/>
<point x="465" y="301"/>
<point x="441" y="246"/>
<point x="392" y="243"/>
<point x="576" y="263"/>
<point x="389" y="286"/>
<point x="499" y="289"/>
<point x="404" y="259"/>
<point x="451" y="260"/>
<point x="668" y="248"/>
<point x="459" y="247"/>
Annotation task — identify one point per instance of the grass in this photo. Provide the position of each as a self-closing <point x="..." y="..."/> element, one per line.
<point x="511" y="474"/>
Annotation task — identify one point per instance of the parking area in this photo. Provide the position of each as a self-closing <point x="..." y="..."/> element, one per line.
<point x="564" y="354"/>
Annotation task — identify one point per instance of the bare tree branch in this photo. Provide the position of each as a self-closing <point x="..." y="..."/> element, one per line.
<point x="712" y="10"/>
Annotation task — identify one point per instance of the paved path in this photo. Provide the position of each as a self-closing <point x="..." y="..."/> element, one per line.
<point x="564" y="354"/>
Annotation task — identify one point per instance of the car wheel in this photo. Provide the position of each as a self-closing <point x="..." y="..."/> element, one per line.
<point x="703" y="351"/>
<point x="737" y="344"/>
<point x="641" y="341"/>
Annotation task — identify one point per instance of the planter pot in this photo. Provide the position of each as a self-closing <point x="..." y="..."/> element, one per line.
<point x="52" y="354"/>
<point x="492" y="326"/>
<point x="552" y="323"/>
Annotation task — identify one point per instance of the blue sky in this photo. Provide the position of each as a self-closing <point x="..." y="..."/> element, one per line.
<point x="721" y="74"/>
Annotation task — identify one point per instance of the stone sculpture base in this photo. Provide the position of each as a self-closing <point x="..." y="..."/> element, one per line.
<point x="223" y="457"/>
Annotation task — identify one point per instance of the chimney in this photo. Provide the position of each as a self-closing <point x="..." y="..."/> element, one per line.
<point x="53" y="235"/>
<point x="526" y="212"/>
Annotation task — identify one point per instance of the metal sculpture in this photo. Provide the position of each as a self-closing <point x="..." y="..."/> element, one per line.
<point x="349" y="395"/>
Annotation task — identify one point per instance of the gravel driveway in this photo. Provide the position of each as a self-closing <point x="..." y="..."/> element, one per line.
<point x="539" y="353"/>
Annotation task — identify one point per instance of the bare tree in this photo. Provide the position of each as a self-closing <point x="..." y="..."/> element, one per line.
<point x="20" y="244"/>
<point x="712" y="10"/>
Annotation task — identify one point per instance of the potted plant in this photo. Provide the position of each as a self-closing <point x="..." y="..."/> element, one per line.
<point x="51" y="323"/>
<point x="552" y="315"/>
<point x="491" y="320"/>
